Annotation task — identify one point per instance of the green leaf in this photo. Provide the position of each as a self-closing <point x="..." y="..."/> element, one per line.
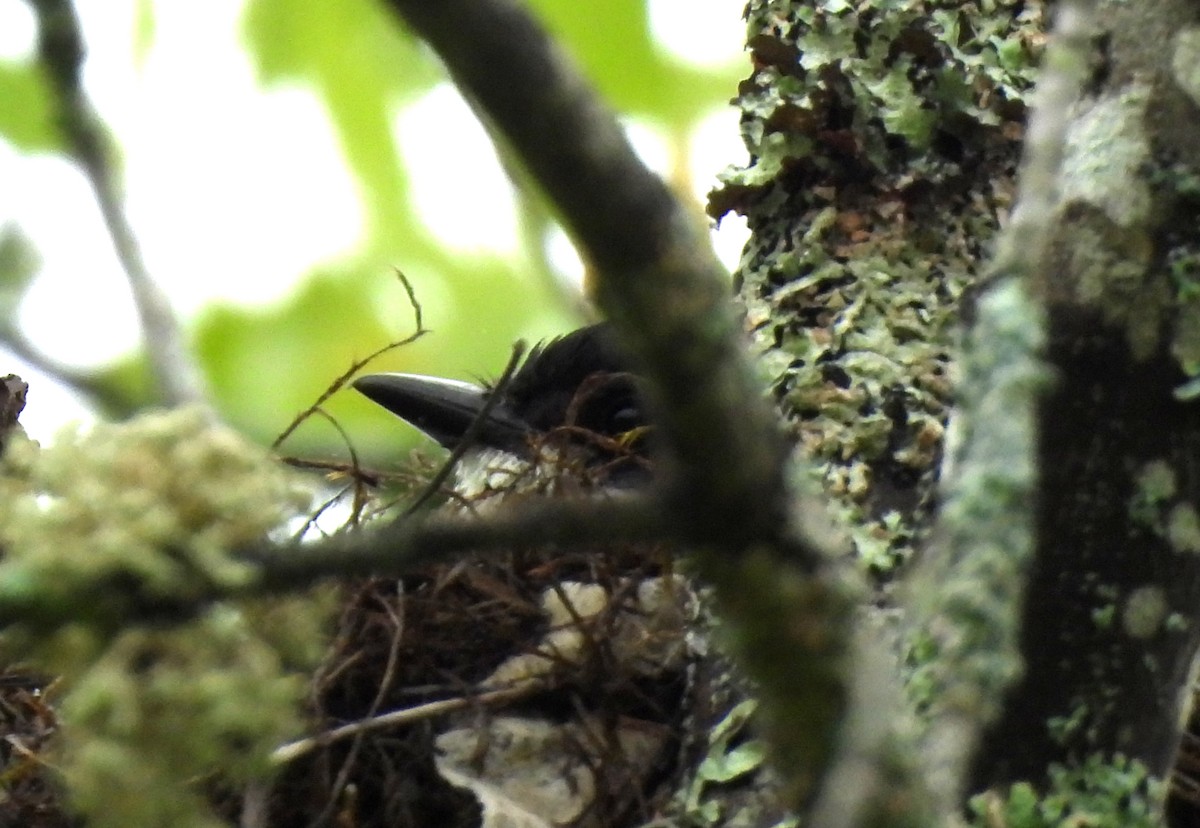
<point x="614" y="45"/>
<point x="19" y="263"/>
<point x="358" y="60"/>
<point x="26" y="108"/>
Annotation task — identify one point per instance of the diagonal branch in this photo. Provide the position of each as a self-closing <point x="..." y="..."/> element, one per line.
<point x="61" y="48"/>
<point x="658" y="279"/>
<point x="721" y="456"/>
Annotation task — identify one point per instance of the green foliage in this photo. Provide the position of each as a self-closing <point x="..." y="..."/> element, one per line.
<point x="727" y="760"/>
<point x="354" y="56"/>
<point x="26" y="114"/>
<point x="361" y="64"/>
<point x="643" y="80"/>
<point x="1101" y="793"/>
<point x="358" y="59"/>
<point x="19" y="262"/>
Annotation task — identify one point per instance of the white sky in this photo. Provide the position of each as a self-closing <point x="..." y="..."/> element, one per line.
<point x="251" y="249"/>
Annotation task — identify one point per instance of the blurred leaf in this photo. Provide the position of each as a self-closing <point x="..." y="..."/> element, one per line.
<point x="143" y="30"/>
<point x="266" y="366"/>
<point x="361" y="65"/>
<point x="613" y="43"/>
<point x="19" y="263"/>
<point x="26" y="108"/>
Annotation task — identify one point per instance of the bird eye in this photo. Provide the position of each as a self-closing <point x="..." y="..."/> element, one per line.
<point x="626" y="419"/>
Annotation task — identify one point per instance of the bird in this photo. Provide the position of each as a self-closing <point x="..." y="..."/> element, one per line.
<point x="573" y="402"/>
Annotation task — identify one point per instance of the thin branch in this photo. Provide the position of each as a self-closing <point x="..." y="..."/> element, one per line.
<point x="60" y="45"/>
<point x="1020" y="248"/>
<point x="469" y="436"/>
<point x="112" y="400"/>
<point x="419" y="330"/>
<point x="974" y="581"/>
<point x="720" y="455"/>
<point x="403" y="546"/>
<point x="393" y="550"/>
<point x="294" y="750"/>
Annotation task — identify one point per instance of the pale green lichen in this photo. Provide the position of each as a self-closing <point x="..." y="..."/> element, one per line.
<point x="968" y="615"/>
<point x="1112" y="274"/>
<point x="1107" y="149"/>
<point x="1156" y="485"/>
<point x="1183" y="528"/>
<point x="1185" y="61"/>
<point x="855" y="118"/>
<point x="1185" y="344"/>
<point x="152" y="508"/>
<point x="1144" y="612"/>
<point x="1107" y="233"/>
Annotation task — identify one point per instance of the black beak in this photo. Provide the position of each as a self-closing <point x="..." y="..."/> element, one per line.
<point x="444" y="409"/>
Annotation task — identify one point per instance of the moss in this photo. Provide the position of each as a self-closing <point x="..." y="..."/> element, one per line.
<point x="1155" y="485"/>
<point x="1063" y="729"/>
<point x="146" y="510"/>
<point x="104" y="524"/>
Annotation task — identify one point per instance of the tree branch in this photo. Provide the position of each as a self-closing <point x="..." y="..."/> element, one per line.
<point x="395" y="549"/>
<point x="721" y="458"/>
<point x="658" y="279"/>
<point x="60" y="45"/>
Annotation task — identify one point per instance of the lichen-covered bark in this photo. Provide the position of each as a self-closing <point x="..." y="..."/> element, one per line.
<point x="884" y="140"/>
<point x="1112" y="614"/>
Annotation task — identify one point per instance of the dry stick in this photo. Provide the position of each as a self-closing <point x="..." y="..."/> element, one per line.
<point x="294" y="750"/>
<point x="419" y="330"/>
<point x="385" y="684"/>
<point x="60" y="46"/>
<point x="471" y="434"/>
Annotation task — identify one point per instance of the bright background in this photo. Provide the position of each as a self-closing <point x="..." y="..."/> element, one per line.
<point x="281" y="158"/>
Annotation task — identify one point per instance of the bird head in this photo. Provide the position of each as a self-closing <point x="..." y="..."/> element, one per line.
<point x="572" y="401"/>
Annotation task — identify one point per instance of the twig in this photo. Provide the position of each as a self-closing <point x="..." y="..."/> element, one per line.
<point x="471" y="434"/>
<point x="294" y="750"/>
<point x="721" y="459"/>
<point x="419" y="330"/>
<point x="60" y="45"/>
<point x="113" y="401"/>
<point x="385" y="684"/>
<point x="392" y="550"/>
